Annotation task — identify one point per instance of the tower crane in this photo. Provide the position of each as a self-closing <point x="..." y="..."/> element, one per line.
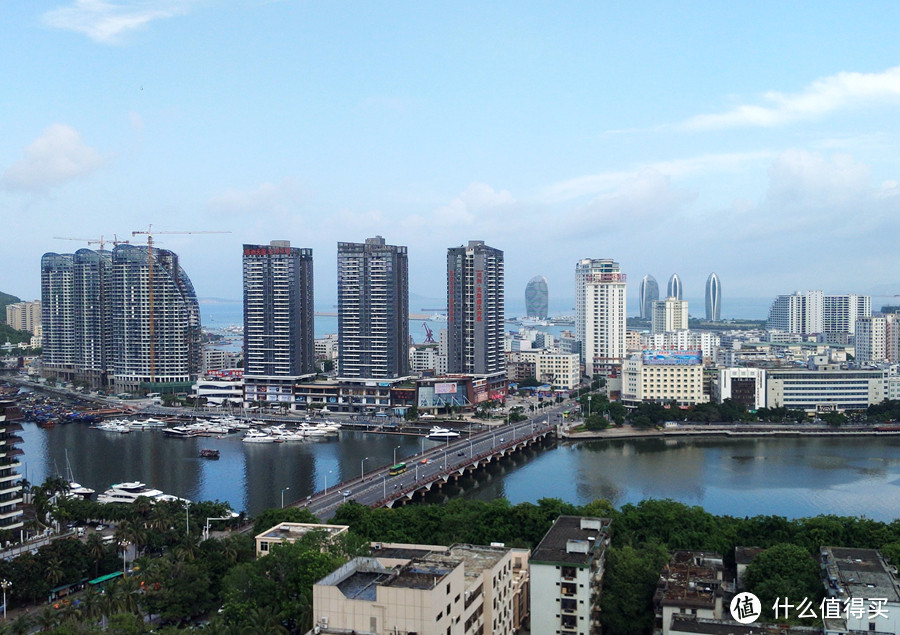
<point x="95" y="241"/>
<point x="429" y="334"/>
<point x="150" y="233"/>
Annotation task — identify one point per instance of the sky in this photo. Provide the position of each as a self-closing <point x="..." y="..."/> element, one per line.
<point x="757" y="140"/>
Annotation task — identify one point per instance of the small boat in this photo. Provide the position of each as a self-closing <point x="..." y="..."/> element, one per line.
<point x="442" y="433"/>
<point x="207" y="453"/>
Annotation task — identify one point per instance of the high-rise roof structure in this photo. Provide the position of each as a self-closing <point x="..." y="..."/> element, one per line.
<point x="475" y="309"/>
<point x="713" y="298"/>
<point x="649" y="292"/>
<point x="600" y="313"/>
<point x="278" y="310"/>
<point x="814" y="312"/>
<point x="373" y="310"/>
<point x="537" y="298"/>
<point x="673" y="289"/>
<point x="669" y="315"/>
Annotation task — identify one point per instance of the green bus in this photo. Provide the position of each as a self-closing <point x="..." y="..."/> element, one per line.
<point x="400" y="468"/>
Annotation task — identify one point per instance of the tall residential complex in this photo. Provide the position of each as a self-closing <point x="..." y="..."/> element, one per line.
<point x="11" y="512"/>
<point x="537" y="298"/>
<point x="24" y="316"/>
<point x="278" y="319"/>
<point x="814" y="312"/>
<point x="109" y="319"/>
<point x="373" y="310"/>
<point x="871" y="342"/>
<point x="600" y="313"/>
<point x="669" y="315"/>
<point x="475" y="309"/>
<point x="713" y="298"/>
<point x="673" y="289"/>
<point x="649" y="292"/>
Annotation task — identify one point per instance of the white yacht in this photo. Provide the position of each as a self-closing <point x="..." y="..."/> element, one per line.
<point x="442" y="433"/>
<point x="113" y="426"/>
<point x="128" y="492"/>
<point x="255" y="436"/>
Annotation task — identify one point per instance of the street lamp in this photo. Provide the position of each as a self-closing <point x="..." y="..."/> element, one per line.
<point x="589" y="405"/>
<point x="5" y="584"/>
<point x="383" y="486"/>
<point x="395" y="455"/>
<point x="124" y="544"/>
<point x="187" y="518"/>
<point x="471" y="453"/>
<point x="326" y="481"/>
<point x="362" y="468"/>
<point x="282" y="496"/>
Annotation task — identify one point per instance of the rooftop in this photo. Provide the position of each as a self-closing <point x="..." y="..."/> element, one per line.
<point x="476" y="559"/>
<point x="858" y="573"/>
<point x="684" y="624"/>
<point x="691" y="578"/>
<point x="572" y="540"/>
<point x="295" y="531"/>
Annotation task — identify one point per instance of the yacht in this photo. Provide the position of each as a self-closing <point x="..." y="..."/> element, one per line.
<point x="113" y="426"/>
<point x="76" y="490"/>
<point x="255" y="436"/>
<point x="442" y="433"/>
<point x="128" y="492"/>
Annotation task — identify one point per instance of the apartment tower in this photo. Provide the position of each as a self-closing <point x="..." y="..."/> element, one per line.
<point x="475" y="309"/>
<point x="600" y="313"/>
<point x="373" y="310"/>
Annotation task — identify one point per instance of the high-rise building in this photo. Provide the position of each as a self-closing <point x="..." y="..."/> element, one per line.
<point x="278" y="319"/>
<point x="840" y="312"/>
<point x="373" y="310"/>
<point x="278" y="310"/>
<point x="669" y="315"/>
<point x="871" y="341"/>
<point x="673" y="289"/>
<point x="797" y="313"/>
<point x="537" y="298"/>
<point x="713" y="298"/>
<point x="649" y="292"/>
<point x="24" y="316"/>
<point x="600" y="313"/>
<point x="10" y="482"/>
<point x="103" y="324"/>
<point x="475" y="310"/>
<point x="155" y="334"/>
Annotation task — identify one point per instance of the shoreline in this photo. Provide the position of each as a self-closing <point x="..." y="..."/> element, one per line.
<point x="726" y="431"/>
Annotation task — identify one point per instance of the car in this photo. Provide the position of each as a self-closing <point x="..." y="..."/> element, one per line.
<point x="346" y="493"/>
<point x="460" y="453"/>
<point x="501" y="439"/>
<point x="424" y="461"/>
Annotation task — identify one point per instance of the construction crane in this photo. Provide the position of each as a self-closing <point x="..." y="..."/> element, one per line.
<point x="150" y="233"/>
<point x="95" y="241"/>
<point x="429" y="334"/>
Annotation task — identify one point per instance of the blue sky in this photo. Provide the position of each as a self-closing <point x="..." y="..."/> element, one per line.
<point x="757" y="140"/>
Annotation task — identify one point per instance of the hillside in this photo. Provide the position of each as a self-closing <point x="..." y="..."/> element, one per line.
<point x="5" y="299"/>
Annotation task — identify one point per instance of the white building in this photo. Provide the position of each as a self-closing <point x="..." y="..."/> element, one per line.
<point x="798" y="313"/>
<point x="669" y="315"/>
<point x="464" y="590"/>
<point x="326" y="347"/>
<point x="705" y="341"/>
<point x="840" y="312"/>
<point x="871" y="340"/>
<point x="744" y="385"/>
<point x="824" y="387"/>
<point x="561" y="370"/>
<point x="856" y="580"/>
<point x="567" y="576"/>
<point x="600" y="313"/>
<point x="663" y="376"/>
<point x="423" y="358"/>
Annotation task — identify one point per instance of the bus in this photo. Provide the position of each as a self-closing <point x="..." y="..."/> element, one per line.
<point x="400" y="468"/>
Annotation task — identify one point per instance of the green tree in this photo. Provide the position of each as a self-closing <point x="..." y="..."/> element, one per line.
<point x="784" y="570"/>
<point x="412" y="413"/>
<point x="628" y="585"/>
<point x="272" y="517"/>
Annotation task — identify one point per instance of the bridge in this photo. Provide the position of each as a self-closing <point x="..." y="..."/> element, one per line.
<point x="434" y="468"/>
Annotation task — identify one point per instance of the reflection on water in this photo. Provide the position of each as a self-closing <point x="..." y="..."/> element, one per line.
<point x="743" y="477"/>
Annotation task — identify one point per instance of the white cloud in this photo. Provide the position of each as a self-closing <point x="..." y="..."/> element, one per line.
<point x="594" y="184"/>
<point x="278" y="199"/>
<point x="106" y="22"/>
<point x="57" y="156"/>
<point x="807" y="179"/>
<point x="475" y="202"/>
<point x="823" y="96"/>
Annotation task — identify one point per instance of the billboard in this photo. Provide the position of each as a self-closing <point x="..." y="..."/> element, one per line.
<point x="672" y="358"/>
<point x="447" y="388"/>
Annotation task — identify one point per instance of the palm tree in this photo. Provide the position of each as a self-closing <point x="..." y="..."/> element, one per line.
<point x="21" y="625"/>
<point x="54" y="572"/>
<point x="46" y="619"/>
<point x="258" y="620"/>
<point x="96" y="550"/>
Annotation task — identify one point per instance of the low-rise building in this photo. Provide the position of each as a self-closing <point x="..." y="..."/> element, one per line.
<point x="464" y="589"/>
<point x="286" y="533"/>
<point x="561" y="370"/>
<point x="663" y="376"/>
<point x="862" y="590"/>
<point x="824" y="387"/>
<point x="690" y="585"/>
<point x="567" y="576"/>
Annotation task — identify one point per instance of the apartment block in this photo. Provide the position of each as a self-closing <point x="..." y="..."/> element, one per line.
<point x="566" y="571"/>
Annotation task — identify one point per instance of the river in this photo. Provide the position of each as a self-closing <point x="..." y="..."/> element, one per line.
<point x="791" y="477"/>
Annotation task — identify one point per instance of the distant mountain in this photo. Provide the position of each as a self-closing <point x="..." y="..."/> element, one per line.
<point x="5" y="299"/>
